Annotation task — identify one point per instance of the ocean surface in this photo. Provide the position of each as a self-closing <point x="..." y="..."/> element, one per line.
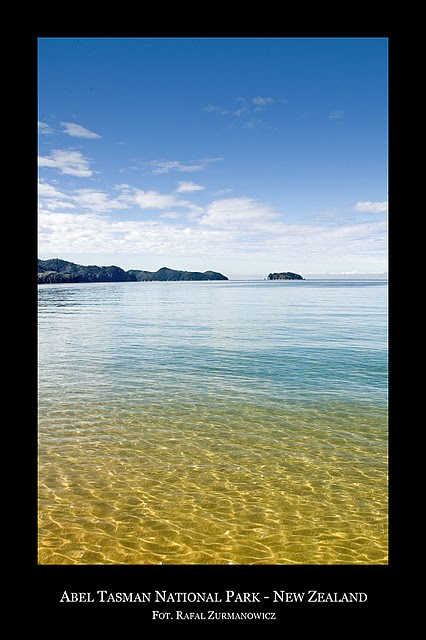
<point x="239" y="422"/>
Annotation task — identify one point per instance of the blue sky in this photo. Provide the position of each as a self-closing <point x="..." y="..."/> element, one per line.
<point x="241" y="155"/>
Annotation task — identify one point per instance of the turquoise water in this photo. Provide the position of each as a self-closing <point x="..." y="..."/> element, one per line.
<point x="213" y="423"/>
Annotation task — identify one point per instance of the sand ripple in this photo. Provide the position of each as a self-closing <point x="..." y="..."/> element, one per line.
<point x="248" y="487"/>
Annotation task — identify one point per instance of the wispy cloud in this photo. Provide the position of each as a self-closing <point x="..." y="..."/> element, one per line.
<point x="77" y="131"/>
<point x="45" y="129"/>
<point x="155" y="200"/>
<point x="234" y="212"/>
<point x="371" y="207"/>
<point x="222" y="192"/>
<point x="219" y="110"/>
<point x="67" y="162"/>
<point x="246" y="111"/>
<point x="125" y="197"/>
<point x="336" y="115"/>
<point x="52" y="198"/>
<point x="70" y="128"/>
<point x="165" y="166"/>
<point x="187" y="187"/>
<point x="82" y="199"/>
<point x="261" y="103"/>
<point x="93" y="200"/>
<point x="214" y="108"/>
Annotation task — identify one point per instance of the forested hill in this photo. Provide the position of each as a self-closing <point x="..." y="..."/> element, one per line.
<point x="285" y="275"/>
<point x="165" y="274"/>
<point x="60" y="271"/>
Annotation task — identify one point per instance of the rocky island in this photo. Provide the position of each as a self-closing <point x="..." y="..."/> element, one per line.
<point x="61" y="271"/>
<point x="285" y="275"/>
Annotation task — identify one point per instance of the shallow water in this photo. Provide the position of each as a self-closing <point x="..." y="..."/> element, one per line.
<point x="213" y="423"/>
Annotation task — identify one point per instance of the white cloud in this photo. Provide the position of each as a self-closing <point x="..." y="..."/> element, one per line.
<point x="262" y="101"/>
<point x="164" y="166"/>
<point x="230" y="212"/>
<point x="45" y="129"/>
<point x="261" y="238"/>
<point x="100" y="201"/>
<point x="86" y="199"/>
<point x="77" y="131"/>
<point x="170" y="215"/>
<point x="185" y="186"/>
<point x="238" y="228"/>
<point x="48" y="191"/>
<point x="63" y="233"/>
<point x="371" y="207"/>
<point x="67" y="162"/>
<point x="52" y="198"/>
<point x="155" y="200"/>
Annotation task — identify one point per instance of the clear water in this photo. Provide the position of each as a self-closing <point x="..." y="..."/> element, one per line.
<point x="213" y="423"/>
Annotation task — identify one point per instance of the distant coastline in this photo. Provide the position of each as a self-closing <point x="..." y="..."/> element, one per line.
<point x="57" y="271"/>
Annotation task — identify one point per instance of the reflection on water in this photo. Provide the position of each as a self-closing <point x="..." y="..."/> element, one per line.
<point x="177" y="427"/>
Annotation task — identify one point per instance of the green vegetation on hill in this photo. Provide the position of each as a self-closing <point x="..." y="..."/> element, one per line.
<point x="285" y="275"/>
<point x="60" y="271"/>
<point x="165" y="274"/>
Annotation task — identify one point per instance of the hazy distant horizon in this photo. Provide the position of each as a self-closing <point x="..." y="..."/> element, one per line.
<point x="254" y="276"/>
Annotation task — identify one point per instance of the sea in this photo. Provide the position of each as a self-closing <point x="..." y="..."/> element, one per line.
<point x="208" y="423"/>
